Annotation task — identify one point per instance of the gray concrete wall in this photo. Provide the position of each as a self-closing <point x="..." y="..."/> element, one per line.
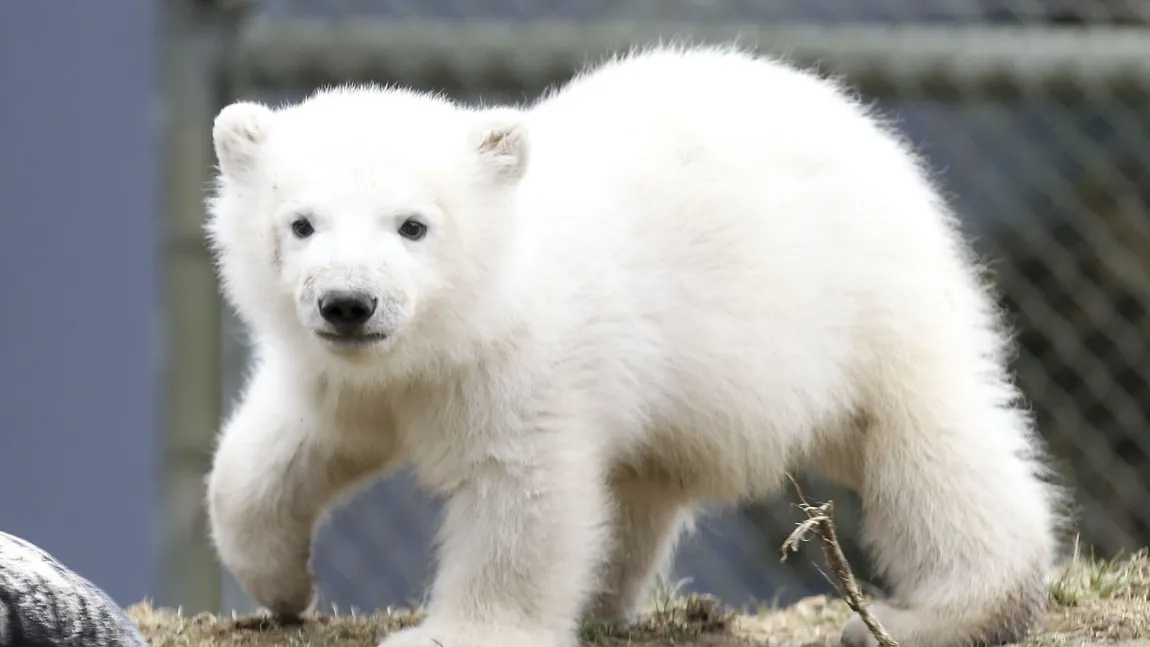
<point x="79" y="320"/>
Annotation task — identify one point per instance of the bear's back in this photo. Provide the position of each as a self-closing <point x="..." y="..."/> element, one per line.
<point x="706" y="218"/>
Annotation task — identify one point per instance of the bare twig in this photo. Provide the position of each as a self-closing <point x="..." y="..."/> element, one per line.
<point x="819" y="522"/>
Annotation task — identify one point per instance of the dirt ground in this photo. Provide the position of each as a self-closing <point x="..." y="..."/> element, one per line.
<point x="1090" y="603"/>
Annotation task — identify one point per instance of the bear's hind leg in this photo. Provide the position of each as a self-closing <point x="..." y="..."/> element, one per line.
<point x="957" y="515"/>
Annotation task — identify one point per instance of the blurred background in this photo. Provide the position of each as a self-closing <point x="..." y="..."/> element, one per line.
<point x="117" y="359"/>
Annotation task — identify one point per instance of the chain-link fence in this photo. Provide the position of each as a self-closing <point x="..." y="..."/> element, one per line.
<point x="1034" y="114"/>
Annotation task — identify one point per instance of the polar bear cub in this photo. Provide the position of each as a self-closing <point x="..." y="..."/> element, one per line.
<point x="581" y="321"/>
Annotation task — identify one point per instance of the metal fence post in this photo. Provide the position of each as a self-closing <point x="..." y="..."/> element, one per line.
<point x="195" y="36"/>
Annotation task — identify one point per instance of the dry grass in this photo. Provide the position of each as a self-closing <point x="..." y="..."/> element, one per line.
<point x="689" y="620"/>
<point x="1091" y="603"/>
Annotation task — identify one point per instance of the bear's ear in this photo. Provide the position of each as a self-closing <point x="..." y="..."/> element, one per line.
<point x="238" y="132"/>
<point x="501" y="141"/>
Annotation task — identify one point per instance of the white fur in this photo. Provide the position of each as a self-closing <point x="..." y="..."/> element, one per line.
<point x="656" y="289"/>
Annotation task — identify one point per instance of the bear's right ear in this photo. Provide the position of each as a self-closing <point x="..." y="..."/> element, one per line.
<point x="237" y="133"/>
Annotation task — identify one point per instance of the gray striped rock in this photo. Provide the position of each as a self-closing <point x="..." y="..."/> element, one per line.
<point x="44" y="604"/>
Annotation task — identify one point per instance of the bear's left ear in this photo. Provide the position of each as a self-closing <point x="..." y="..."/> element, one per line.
<point x="501" y="142"/>
<point x="238" y="132"/>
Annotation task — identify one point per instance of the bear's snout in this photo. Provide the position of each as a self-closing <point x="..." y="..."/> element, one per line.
<point x="346" y="310"/>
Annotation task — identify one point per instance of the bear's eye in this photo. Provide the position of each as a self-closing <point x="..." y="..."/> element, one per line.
<point x="302" y="228"/>
<point x="412" y="229"/>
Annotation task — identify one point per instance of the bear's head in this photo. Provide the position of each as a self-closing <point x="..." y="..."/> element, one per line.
<point x="366" y="221"/>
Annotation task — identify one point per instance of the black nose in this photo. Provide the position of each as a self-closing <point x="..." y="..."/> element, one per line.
<point x="346" y="309"/>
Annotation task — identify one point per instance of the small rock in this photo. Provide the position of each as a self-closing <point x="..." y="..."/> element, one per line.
<point x="44" y="604"/>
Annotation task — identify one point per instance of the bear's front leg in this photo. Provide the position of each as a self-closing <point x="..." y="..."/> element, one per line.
<point x="520" y="543"/>
<point x="648" y="519"/>
<point x="274" y="472"/>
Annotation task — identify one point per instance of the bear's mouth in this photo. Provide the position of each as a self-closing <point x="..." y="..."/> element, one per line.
<point x="351" y="340"/>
